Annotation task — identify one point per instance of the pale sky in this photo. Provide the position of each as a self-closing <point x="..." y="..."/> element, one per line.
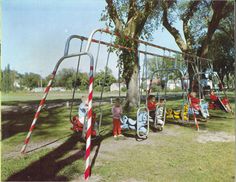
<point x="34" y="33"/>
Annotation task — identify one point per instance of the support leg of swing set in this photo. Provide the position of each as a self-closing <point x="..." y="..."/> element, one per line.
<point x="90" y="97"/>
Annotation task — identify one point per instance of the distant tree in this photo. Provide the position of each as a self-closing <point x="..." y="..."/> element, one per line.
<point x="31" y="80"/>
<point x="64" y="78"/>
<point x="7" y="79"/>
<point x="100" y="79"/>
<point x="82" y="81"/>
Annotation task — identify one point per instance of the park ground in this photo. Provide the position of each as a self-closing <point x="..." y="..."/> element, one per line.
<point x="55" y="153"/>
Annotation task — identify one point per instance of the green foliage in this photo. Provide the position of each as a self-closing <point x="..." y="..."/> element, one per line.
<point x="6" y="80"/>
<point x="31" y="80"/>
<point x="67" y="78"/>
<point x="104" y="79"/>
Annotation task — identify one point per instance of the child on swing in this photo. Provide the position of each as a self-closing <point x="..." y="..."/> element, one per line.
<point x="216" y="103"/>
<point x="116" y="113"/>
<point x="198" y="106"/>
<point x="152" y="107"/>
<point x="79" y="121"/>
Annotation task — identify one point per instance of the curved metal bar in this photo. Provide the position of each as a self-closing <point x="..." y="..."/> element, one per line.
<point x="67" y="45"/>
<point x="42" y="102"/>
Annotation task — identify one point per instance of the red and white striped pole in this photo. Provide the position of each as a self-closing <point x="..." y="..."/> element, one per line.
<point x="38" y="112"/>
<point x="89" y="129"/>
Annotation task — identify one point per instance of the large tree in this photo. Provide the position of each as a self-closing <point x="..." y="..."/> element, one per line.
<point x="222" y="49"/>
<point x="131" y="18"/>
<point x="200" y="19"/>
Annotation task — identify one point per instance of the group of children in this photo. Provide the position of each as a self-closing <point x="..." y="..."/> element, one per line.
<point x="79" y="121"/>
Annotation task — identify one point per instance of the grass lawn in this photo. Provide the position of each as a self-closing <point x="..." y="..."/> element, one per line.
<point x="55" y="153"/>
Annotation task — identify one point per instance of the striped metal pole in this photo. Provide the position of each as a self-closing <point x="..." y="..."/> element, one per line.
<point x="36" y="116"/>
<point x="46" y="93"/>
<point x="89" y="129"/>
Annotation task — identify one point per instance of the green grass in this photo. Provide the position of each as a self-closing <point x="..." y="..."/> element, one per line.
<point x="171" y="155"/>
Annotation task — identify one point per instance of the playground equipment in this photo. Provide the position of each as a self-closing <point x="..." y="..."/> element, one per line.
<point x="142" y="119"/>
<point x="208" y="82"/>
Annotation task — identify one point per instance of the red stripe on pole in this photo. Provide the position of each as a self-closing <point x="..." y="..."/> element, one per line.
<point x="27" y="140"/>
<point x="90" y="97"/>
<point x="90" y="81"/>
<point x="87" y="152"/>
<point x="89" y="132"/>
<point x="37" y="115"/>
<point x="42" y="102"/>
<point x="47" y="89"/>
<point x="32" y="127"/>
<point x="87" y="173"/>
<point x="91" y="68"/>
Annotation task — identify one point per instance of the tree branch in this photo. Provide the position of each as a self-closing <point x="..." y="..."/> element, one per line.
<point x="139" y="18"/>
<point x="218" y="13"/>
<point x="132" y="9"/>
<point x="174" y="32"/>
<point x="113" y="14"/>
<point x="192" y="7"/>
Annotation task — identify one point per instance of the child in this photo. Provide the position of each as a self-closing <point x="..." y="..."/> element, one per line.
<point x="198" y="106"/>
<point x="116" y="112"/>
<point x="195" y="102"/>
<point x="78" y="120"/>
<point x="153" y="110"/>
<point x="83" y="109"/>
<point x="216" y="102"/>
<point x="152" y="106"/>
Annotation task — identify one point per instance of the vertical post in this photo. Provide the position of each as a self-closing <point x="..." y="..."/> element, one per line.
<point x="89" y="129"/>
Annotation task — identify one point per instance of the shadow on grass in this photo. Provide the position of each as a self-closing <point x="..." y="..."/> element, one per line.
<point x="48" y="166"/>
<point x="17" y="122"/>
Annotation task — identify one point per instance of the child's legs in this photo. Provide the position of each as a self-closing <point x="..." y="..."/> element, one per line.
<point x="115" y="126"/>
<point x="118" y="127"/>
<point x="152" y="114"/>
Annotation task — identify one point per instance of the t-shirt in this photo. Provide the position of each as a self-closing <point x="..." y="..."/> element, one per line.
<point x="213" y="97"/>
<point x="152" y="105"/>
<point x="83" y="109"/>
<point x="116" y="112"/>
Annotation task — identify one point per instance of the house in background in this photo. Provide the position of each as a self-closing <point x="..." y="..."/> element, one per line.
<point x="115" y="86"/>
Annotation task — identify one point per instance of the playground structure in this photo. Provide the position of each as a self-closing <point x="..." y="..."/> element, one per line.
<point x="142" y="119"/>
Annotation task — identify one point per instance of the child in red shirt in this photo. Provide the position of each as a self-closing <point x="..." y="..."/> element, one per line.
<point x="152" y="104"/>
<point x="195" y="102"/>
<point x="216" y="102"/>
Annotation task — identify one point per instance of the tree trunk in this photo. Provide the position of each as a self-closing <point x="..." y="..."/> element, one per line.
<point x="133" y="90"/>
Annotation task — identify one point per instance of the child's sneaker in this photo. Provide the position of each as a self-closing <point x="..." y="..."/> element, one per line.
<point x="120" y="135"/>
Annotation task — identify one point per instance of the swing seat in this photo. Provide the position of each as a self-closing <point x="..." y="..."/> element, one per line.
<point x="78" y="126"/>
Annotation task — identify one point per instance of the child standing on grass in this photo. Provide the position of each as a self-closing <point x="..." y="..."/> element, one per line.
<point x="116" y="114"/>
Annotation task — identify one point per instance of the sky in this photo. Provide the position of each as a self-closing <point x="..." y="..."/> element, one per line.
<point x="34" y="33"/>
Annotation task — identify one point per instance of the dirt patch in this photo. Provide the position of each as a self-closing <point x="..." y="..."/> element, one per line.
<point x="215" y="137"/>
